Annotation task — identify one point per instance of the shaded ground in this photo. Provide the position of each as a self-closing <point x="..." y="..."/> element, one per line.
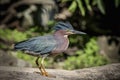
<point x="108" y="72"/>
<point x="6" y="59"/>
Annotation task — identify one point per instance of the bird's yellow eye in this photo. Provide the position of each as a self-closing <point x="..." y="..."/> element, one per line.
<point x="68" y="30"/>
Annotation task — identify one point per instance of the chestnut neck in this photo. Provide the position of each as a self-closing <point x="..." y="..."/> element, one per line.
<point x="60" y="33"/>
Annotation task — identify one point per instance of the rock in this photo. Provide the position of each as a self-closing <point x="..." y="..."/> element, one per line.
<point x="8" y="60"/>
<point x="107" y="72"/>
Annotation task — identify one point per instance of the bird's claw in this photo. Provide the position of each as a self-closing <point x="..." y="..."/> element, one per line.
<point x="48" y="75"/>
<point x="45" y="74"/>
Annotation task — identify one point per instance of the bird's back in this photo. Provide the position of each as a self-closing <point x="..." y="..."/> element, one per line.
<point x="37" y="45"/>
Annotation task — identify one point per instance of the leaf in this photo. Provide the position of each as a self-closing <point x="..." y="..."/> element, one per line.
<point x="117" y="2"/>
<point x="101" y="6"/>
<point x="73" y="7"/>
<point x="87" y="2"/>
<point x="82" y="9"/>
<point x="94" y="2"/>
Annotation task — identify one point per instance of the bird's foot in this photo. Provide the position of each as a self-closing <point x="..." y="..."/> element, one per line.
<point x="46" y="74"/>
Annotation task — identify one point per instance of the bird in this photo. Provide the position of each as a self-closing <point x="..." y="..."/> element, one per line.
<point x="43" y="46"/>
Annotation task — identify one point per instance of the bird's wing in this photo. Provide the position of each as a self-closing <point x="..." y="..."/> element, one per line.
<point x="43" y="44"/>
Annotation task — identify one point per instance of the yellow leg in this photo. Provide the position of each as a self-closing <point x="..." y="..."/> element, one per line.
<point x="38" y="65"/>
<point x="41" y="67"/>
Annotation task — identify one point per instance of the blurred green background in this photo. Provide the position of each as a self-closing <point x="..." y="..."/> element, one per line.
<point x="100" y="19"/>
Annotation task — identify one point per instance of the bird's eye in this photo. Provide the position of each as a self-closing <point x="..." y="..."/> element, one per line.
<point x="68" y="30"/>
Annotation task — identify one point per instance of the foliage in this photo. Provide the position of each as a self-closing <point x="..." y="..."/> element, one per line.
<point x="12" y="35"/>
<point x="9" y="36"/>
<point x="85" y="5"/>
<point x="86" y="58"/>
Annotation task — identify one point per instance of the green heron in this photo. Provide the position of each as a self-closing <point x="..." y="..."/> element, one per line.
<point x="49" y="44"/>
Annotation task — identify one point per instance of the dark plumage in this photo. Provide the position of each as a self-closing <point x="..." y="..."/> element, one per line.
<point x="38" y="45"/>
<point x="63" y="26"/>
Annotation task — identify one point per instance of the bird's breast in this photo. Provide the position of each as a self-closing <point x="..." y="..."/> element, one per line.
<point x="62" y="44"/>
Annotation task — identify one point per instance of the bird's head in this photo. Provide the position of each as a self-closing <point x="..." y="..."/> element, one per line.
<point x="66" y="28"/>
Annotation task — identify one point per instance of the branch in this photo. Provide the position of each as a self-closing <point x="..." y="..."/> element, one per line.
<point x="107" y="72"/>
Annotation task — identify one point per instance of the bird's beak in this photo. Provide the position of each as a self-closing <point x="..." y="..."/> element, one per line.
<point x="77" y="32"/>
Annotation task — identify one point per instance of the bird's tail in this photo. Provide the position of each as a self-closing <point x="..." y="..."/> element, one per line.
<point x="19" y="45"/>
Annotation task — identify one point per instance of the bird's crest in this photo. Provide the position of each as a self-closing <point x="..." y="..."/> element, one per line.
<point x="63" y="26"/>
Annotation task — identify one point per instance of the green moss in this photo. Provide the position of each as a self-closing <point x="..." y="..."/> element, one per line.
<point x="88" y="57"/>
